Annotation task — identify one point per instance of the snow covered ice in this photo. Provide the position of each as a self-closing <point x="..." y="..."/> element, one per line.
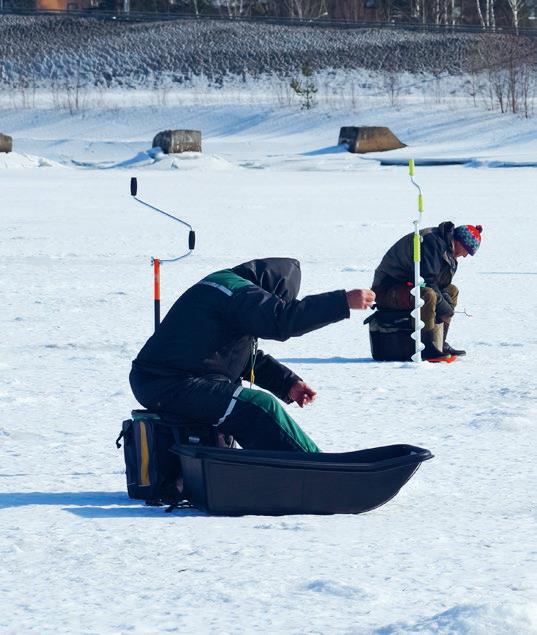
<point x="454" y="552"/>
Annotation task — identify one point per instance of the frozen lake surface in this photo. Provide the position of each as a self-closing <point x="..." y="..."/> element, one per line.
<point x="454" y="552"/>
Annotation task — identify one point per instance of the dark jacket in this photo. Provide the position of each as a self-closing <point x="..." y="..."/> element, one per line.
<point x="212" y="329"/>
<point x="438" y="263"/>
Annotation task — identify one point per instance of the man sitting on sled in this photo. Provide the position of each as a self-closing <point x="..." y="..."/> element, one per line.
<point x="194" y="363"/>
<point x="440" y="248"/>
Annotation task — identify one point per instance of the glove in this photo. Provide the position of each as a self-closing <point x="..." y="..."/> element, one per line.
<point x="444" y="307"/>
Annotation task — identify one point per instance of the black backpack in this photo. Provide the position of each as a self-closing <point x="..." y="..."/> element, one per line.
<point x="153" y="472"/>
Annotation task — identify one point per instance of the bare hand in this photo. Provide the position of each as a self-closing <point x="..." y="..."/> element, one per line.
<point x="360" y="298"/>
<point x="301" y="393"/>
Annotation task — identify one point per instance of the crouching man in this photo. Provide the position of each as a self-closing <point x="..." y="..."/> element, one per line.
<point x="394" y="279"/>
<point x="194" y="363"/>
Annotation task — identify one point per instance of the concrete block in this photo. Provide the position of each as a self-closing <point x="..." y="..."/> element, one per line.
<point x="363" y="139"/>
<point x="177" y="141"/>
<point x="6" y="143"/>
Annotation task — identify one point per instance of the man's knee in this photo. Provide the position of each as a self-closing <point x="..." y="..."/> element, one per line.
<point x="261" y="417"/>
<point x="428" y="296"/>
<point x="428" y="310"/>
<point x="453" y="293"/>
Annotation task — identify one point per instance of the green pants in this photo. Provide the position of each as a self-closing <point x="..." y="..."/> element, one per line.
<point x="258" y="421"/>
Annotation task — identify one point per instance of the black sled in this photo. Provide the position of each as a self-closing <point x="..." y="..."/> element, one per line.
<point x="238" y="482"/>
<point x="168" y="461"/>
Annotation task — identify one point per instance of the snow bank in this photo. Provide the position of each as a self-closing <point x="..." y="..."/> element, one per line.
<point x="472" y="619"/>
<point x="14" y="160"/>
<point x="156" y="159"/>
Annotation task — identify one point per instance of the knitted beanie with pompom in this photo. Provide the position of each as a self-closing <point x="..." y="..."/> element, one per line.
<point x="469" y="236"/>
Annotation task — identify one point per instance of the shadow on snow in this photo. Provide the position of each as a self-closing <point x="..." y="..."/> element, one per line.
<point x="327" y="360"/>
<point x="91" y="504"/>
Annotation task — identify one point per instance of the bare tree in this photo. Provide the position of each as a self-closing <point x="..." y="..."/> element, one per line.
<point x="437" y="11"/>
<point x="306" y="9"/>
<point x="509" y="63"/>
<point x="487" y="18"/>
<point x="527" y="89"/>
<point x="306" y="88"/>
<point x="480" y="14"/>
<point x="491" y="14"/>
<point x="418" y="10"/>
<point x="234" y="8"/>
<point x="351" y="10"/>
<point x="441" y="11"/>
<point x="517" y="7"/>
<point x="391" y="82"/>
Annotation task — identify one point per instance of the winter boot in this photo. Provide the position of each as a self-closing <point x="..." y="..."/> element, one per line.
<point x="172" y="491"/>
<point x="432" y="339"/>
<point x="449" y="350"/>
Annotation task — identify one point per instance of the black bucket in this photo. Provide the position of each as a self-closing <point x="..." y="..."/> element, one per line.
<point x="390" y="336"/>
<point x="238" y="482"/>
